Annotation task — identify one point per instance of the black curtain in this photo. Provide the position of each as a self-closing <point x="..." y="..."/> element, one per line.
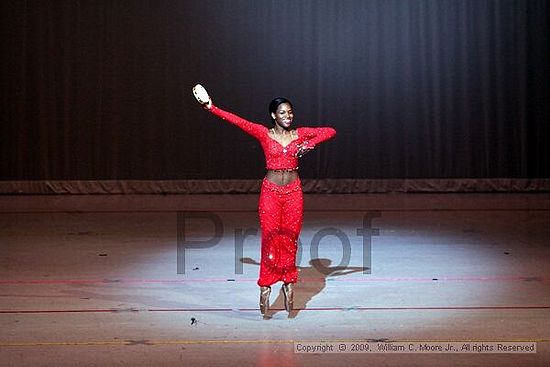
<point x="416" y="89"/>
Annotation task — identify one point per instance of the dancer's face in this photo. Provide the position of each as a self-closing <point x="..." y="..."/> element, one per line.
<point x="283" y="116"/>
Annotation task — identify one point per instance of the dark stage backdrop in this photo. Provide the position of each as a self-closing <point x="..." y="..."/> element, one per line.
<point x="99" y="89"/>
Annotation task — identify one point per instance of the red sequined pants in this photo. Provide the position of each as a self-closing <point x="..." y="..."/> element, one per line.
<point x="281" y="214"/>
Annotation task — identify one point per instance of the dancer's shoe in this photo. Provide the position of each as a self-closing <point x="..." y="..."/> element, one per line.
<point x="265" y="292"/>
<point x="288" y="291"/>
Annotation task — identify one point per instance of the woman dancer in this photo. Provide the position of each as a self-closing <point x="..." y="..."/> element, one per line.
<point x="281" y="200"/>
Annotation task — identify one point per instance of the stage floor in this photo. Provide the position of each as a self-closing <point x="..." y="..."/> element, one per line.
<point x="148" y="280"/>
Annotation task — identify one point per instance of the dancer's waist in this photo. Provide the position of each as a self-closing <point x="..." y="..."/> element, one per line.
<point x="282" y="188"/>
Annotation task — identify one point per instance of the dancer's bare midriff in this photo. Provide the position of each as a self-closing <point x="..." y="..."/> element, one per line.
<point x="282" y="177"/>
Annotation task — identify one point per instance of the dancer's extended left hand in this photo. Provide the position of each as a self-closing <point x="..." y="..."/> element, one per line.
<point x="303" y="149"/>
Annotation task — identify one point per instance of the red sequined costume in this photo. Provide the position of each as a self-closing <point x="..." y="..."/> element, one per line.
<point x="280" y="207"/>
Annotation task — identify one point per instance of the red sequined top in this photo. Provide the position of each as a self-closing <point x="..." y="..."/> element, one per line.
<point x="277" y="156"/>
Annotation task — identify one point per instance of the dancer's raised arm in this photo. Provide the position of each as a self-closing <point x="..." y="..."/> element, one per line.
<point x="254" y="129"/>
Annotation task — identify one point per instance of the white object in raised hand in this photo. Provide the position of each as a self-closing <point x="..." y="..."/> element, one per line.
<point x="202" y="95"/>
